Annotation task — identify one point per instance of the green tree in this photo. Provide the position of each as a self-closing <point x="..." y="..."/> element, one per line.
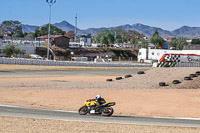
<point x="108" y="36"/>
<point x="104" y="37"/>
<point x="173" y="42"/>
<point x="17" y="51"/>
<point x="156" y="39"/>
<point x="124" y="36"/>
<point x="44" y="31"/>
<point x="178" y="43"/>
<point x="12" y="28"/>
<point x="10" y="51"/>
<point x="141" y="43"/>
<point x="155" y="33"/>
<point x="195" y="41"/>
<point x="120" y="35"/>
<point x="97" y="38"/>
<point x="104" y="40"/>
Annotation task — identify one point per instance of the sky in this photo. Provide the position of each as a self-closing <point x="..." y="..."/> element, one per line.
<point x="166" y="14"/>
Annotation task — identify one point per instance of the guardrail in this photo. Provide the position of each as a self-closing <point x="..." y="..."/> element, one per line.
<point x="21" y="61"/>
<point x="187" y="64"/>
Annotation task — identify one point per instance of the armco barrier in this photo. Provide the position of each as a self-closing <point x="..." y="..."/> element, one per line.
<point x="21" y="61"/>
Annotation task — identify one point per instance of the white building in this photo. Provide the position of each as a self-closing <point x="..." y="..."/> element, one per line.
<point x="85" y="42"/>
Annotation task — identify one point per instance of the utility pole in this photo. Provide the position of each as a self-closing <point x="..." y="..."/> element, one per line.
<point x="75" y="28"/>
<point x="50" y="2"/>
<point x="115" y="36"/>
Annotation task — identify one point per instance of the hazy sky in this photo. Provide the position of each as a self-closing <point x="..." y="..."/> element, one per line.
<point x="167" y="14"/>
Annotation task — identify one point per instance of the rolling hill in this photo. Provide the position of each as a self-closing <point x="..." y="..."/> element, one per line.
<point x="182" y="32"/>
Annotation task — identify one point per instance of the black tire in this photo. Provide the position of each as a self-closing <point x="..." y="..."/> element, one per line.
<point x="108" y="80"/>
<point x="107" y="111"/>
<point x="128" y="76"/>
<point x="176" y="82"/>
<point x="192" y="75"/>
<point x="140" y="72"/>
<point x="197" y="73"/>
<point x="141" y="61"/>
<point x="162" y="84"/>
<point x="83" y="110"/>
<point x="118" y="78"/>
<point x="187" y="78"/>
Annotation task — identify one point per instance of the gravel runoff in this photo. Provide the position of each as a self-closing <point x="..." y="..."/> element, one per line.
<point x="23" y="125"/>
<point x="149" y="80"/>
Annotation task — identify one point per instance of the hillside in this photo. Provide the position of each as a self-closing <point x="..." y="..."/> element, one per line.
<point x="64" y="54"/>
<point x="185" y="31"/>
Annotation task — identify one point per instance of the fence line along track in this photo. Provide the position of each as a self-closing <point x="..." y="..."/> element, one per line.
<point x="21" y="61"/>
<point x="187" y="64"/>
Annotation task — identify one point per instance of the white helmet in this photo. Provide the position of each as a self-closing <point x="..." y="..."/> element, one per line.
<point x="98" y="96"/>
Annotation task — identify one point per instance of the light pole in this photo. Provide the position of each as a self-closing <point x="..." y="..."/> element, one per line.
<point x="50" y="2"/>
<point x="75" y="28"/>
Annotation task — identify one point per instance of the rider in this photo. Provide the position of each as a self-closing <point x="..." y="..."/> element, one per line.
<point x="100" y="100"/>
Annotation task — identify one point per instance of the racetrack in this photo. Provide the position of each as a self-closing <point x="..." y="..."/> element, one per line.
<point x="55" y="73"/>
<point x="74" y="116"/>
<point x="63" y="89"/>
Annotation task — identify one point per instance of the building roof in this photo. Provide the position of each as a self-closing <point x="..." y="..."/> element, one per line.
<point x="51" y="36"/>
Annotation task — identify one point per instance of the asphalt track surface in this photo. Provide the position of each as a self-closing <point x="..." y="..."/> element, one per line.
<point x="74" y="116"/>
<point x="46" y="73"/>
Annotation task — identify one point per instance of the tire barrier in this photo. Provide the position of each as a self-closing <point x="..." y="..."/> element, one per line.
<point x="140" y="72"/>
<point x="187" y="78"/>
<point x="176" y="82"/>
<point x="197" y="73"/>
<point x="192" y="75"/>
<point x="119" y="78"/>
<point x="128" y="76"/>
<point x="162" y="84"/>
<point x="109" y="80"/>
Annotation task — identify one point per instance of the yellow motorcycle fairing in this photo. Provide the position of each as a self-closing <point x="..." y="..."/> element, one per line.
<point x="109" y="103"/>
<point x="90" y="103"/>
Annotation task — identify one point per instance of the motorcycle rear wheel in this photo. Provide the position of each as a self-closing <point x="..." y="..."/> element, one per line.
<point x="83" y="110"/>
<point x="107" y="111"/>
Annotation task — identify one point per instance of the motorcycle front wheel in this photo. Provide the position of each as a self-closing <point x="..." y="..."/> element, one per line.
<point x="83" y="110"/>
<point x="107" y="111"/>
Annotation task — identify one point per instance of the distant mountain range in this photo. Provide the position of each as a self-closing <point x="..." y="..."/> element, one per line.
<point x="183" y="32"/>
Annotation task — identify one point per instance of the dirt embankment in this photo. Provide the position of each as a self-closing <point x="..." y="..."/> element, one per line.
<point x="125" y="54"/>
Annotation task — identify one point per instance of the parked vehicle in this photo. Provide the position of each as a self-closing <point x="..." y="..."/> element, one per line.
<point x="35" y="56"/>
<point x="79" y="58"/>
<point x="158" y="55"/>
<point x="90" y="106"/>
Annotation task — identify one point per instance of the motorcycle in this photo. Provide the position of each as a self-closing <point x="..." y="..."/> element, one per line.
<point x="91" y="107"/>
